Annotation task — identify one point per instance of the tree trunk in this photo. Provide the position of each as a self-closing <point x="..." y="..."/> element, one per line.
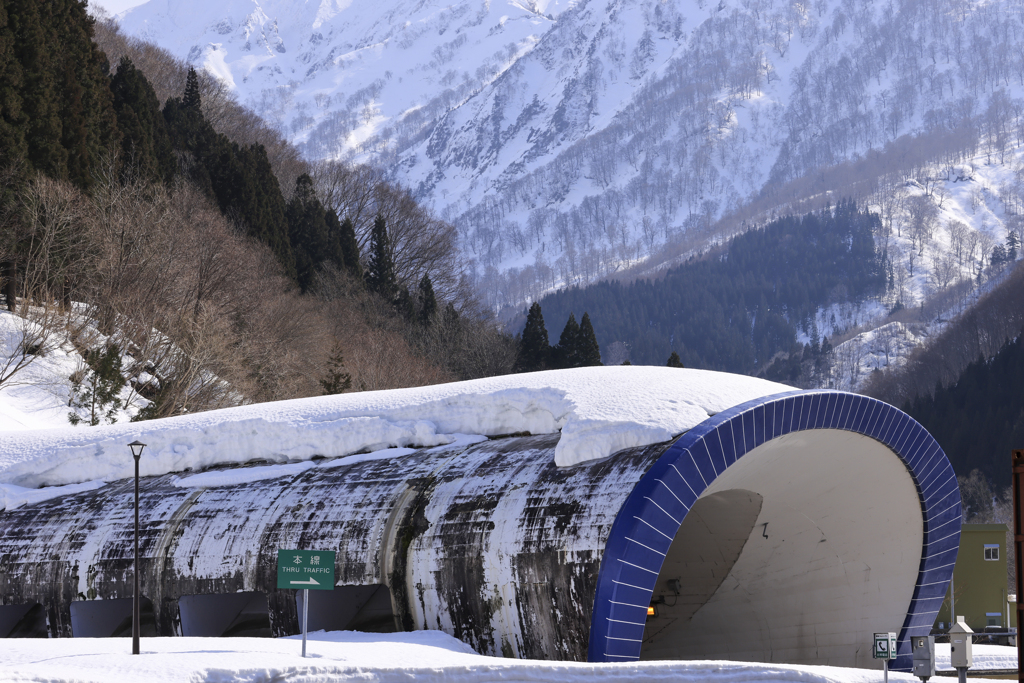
<point x="10" y="283"/>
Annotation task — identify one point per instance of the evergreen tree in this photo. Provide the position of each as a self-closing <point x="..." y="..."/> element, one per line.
<point x="534" y="350"/>
<point x="40" y="89"/>
<point x="674" y="361"/>
<point x="240" y="179"/>
<point x="337" y="380"/>
<point x="380" y="271"/>
<point x="1012" y="245"/>
<point x="88" y="123"/>
<point x="64" y="106"/>
<point x="587" y="351"/>
<point x="566" y="354"/>
<point x="404" y="304"/>
<point x="145" y="144"/>
<point x="12" y="122"/>
<point x="98" y="391"/>
<point x="191" y="101"/>
<point x="998" y="255"/>
<point x="428" y="302"/>
<point x="308" y="233"/>
<point x="345" y="235"/>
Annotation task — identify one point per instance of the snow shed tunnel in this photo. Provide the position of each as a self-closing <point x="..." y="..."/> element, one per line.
<point x="786" y="529"/>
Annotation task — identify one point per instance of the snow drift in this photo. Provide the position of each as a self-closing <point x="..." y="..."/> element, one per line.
<point x="598" y="410"/>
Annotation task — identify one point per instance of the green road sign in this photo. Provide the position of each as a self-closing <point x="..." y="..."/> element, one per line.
<point x="310" y="569"/>
<point x="885" y="646"/>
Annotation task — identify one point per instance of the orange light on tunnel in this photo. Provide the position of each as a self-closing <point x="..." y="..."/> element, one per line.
<point x="652" y="611"/>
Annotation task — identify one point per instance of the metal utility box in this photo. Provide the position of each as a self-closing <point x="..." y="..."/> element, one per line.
<point x="924" y="656"/>
<point x="960" y="646"/>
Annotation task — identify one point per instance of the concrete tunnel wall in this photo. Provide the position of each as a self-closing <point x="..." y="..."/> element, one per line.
<point x="486" y="542"/>
<point x="496" y="545"/>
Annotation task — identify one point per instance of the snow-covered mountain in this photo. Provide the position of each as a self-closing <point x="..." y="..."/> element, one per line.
<point x="567" y="139"/>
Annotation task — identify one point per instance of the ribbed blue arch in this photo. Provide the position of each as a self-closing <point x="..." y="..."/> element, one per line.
<point x="652" y="514"/>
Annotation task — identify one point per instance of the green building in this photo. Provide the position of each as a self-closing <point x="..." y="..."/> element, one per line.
<point x="979" y="581"/>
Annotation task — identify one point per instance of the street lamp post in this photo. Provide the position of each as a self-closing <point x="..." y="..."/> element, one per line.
<point x="136" y="447"/>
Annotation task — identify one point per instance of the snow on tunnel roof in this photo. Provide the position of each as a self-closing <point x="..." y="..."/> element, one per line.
<point x="599" y="410"/>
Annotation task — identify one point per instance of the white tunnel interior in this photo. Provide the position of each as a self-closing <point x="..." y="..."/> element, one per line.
<point x="796" y="553"/>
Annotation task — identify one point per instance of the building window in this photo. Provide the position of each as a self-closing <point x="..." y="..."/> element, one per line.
<point x="991" y="551"/>
<point x="993" y="618"/>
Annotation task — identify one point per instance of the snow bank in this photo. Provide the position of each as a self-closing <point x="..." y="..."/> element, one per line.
<point x="12" y="496"/>
<point x="598" y="410"/>
<point x="363" y="657"/>
<point x="985" y="657"/>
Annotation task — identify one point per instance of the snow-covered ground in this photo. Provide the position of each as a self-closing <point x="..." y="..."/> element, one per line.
<point x="36" y="388"/>
<point x="985" y="657"/>
<point x="365" y="657"/>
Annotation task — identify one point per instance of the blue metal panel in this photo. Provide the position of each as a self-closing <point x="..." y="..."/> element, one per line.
<point x="688" y="467"/>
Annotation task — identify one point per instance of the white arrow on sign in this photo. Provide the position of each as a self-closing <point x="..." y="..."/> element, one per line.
<point x="308" y="582"/>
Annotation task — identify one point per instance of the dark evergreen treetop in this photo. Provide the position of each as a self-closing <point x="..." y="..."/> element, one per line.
<point x="145" y="145"/>
<point x="674" y="361"/>
<point x="567" y="354"/>
<point x="350" y="248"/>
<point x="337" y="380"/>
<point x="344" y="233"/>
<point x="380" y="271"/>
<point x="308" y="232"/>
<point x="240" y="179"/>
<point x="63" y="105"/>
<point x="12" y="118"/>
<point x="404" y="304"/>
<point x="588" y="352"/>
<point x="534" y="349"/>
<point x="191" y="101"/>
<point x="428" y="301"/>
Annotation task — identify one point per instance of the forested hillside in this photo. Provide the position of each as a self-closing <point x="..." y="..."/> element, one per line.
<point x="219" y="273"/>
<point x="978" y="332"/>
<point x="737" y="306"/>
<point x="979" y="419"/>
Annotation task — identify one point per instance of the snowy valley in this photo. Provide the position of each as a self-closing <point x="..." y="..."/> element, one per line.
<point x="570" y="142"/>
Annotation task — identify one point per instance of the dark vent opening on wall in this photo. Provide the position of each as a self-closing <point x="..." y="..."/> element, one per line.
<point x="111" y="618"/>
<point x="225" y="615"/>
<point x="23" y="621"/>
<point x="350" y="608"/>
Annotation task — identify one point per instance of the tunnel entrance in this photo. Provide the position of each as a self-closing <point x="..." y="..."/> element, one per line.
<point x="796" y="553"/>
<point x="111" y="618"/>
<point x="349" y="608"/>
<point x="239" y="615"/>
<point x="23" y="621"/>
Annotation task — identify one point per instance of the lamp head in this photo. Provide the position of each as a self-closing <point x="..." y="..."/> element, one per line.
<point x="136" y="447"/>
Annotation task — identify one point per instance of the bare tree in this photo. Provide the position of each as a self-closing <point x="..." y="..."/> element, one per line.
<point x="923" y="217"/>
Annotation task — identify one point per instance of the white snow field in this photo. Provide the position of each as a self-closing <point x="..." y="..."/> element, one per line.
<point x="985" y="657"/>
<point x="599" y="411"/>
<point x="366" y="657"/>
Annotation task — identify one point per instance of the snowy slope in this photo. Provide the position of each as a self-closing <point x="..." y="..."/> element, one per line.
<point x="599" y="411"/>
<point x="35" y="391"/>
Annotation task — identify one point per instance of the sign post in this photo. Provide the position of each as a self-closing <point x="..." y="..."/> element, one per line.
<point x="884" y="649"/>
<point x="1017" y="484"/>
<point x="305" y="569"/>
